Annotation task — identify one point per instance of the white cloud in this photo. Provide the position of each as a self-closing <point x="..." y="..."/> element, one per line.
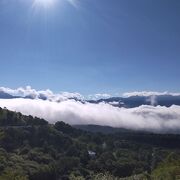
<point x="49" y="95"/>
<point x="99" y="96"/>
<point x="72" y="95"/>
<point x="155" y="119"/>
<point x="42" y="94"/>
<point x="115" y="103"/>
<point x="149" y="93"/>
<point x="152" y="99"/>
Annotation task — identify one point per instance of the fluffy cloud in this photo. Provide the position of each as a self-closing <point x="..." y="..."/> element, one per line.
<point x="156" y="119"/>
<point x="42" y="94"/>
<point x="149" y="93"/>
<point x="49" y="95"/>
<point x="116" y="103"/>
<point x="99" y="96"/>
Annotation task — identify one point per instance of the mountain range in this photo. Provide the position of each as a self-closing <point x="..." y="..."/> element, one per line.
<point x="126" y="102"/>
<point x="136" y="101"/>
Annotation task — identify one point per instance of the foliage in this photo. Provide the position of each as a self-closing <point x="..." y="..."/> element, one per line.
<point x="169" y="169"/>
<point x="30" y="148"/>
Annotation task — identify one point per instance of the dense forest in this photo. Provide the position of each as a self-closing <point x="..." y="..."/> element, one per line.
<point x="30" y="148"/>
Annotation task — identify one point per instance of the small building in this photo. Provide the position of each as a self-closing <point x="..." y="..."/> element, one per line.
<point x="92" y="154"/>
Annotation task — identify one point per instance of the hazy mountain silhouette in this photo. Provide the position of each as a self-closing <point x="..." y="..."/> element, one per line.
<point x="127" y="102"/>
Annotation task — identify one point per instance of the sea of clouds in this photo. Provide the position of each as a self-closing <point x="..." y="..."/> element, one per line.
<point x="155" y="119"/>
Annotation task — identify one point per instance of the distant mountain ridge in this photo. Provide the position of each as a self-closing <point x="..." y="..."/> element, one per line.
<point x="101" y="129"/>
<point x="126" y="102"/>
<point x="4" y="95"/>
<point x="111" y="130"/>
<point x="135" y="101"/>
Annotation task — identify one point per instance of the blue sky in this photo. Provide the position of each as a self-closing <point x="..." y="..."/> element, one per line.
<point x="97" y="46"/>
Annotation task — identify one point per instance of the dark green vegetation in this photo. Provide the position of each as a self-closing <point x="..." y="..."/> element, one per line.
<point x="30" y="148"/>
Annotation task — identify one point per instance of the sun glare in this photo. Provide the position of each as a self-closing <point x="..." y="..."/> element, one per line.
<point x="44" y="3"/>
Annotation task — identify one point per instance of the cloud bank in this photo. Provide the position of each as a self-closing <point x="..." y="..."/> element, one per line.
<point x="49" y="95"/>
<point x="155" y="119"/>
<point x="149" y="93"/>
<point x="62" y="96"/>
<point x="42" y="94"/>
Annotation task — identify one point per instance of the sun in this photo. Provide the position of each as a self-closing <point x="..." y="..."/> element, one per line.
<point x="44" y="3"/>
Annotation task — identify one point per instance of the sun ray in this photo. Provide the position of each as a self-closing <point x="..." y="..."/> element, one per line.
<point x="47" y="4"/>
<point x="73" y="3"/>
<point x="44" y="3"/>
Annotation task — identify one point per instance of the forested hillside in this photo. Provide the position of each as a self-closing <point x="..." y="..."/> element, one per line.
<point x="30" y="148"/>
